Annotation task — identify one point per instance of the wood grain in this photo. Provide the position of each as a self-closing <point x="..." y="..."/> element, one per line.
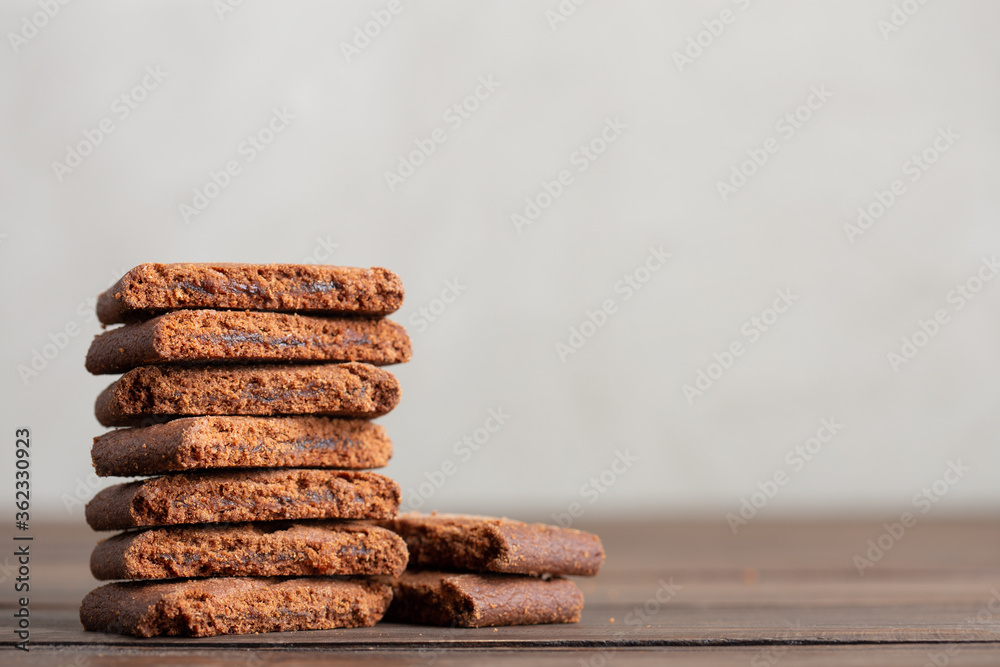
<point x="692" y="592"/>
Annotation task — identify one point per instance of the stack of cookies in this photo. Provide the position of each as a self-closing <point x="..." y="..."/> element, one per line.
<point x="246" y="398"/>
<point x="472" y="572"/>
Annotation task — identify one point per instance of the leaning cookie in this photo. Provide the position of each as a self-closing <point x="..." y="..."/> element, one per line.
<point x="233" y="606"/>
<point x="483" y="600"/>
<point x="487" y="544"/>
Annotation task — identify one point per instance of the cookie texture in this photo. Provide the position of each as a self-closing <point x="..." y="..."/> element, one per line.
<point x="245" y="495"/>
<point x="153" y="288"/>
<point x="231" y="606"/>
<point x="483" y="600"/>
<point x="221" y="336"/>
<point x="340" y="390"/>
<point x="193" y="443"/>
<point x="250" y="550"/>
<point x="486" y="544"/>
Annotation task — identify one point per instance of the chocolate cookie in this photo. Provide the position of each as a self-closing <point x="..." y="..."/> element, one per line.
<point x="154" y="288"/>
<point x="338" y="390"/>
<point x="241" y="442"/>
<point x="225" y="336"/>
<point x="233" y="606"/>
<point x="482" y="600"/>
<point x="484" y="544"/>
<point x="246" y="495"/>
<point x="250" y="550"/>
<point x="222" y="336"/>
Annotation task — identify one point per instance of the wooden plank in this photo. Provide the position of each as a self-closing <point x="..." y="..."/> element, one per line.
<point x="943" y="562"/>
<point x="969" y="655"/>
<point x="787" y="585"/>
<point x="66" y="588"/>
<point x="667" y="626"/>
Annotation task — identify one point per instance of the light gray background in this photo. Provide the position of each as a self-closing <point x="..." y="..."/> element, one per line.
<point x="322" y="181"/>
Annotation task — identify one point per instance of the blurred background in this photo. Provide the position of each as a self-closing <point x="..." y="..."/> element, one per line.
<point x="727" y="258"/>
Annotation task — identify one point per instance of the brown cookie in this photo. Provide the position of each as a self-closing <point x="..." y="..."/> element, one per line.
<point x="233" y="606"/>
<point x="226" y="336"/>
<point x="250" y="550"/>
<point x="241" y="442"/>
<point x="482" y="600"/>
<point x="485" y="544"/>
<point x="337" y="390"/>
<point x="154" y="288"/>
<point x="246" y="495"/>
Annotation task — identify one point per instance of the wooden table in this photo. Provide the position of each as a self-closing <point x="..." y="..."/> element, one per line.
<point x="690" y="593"/>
